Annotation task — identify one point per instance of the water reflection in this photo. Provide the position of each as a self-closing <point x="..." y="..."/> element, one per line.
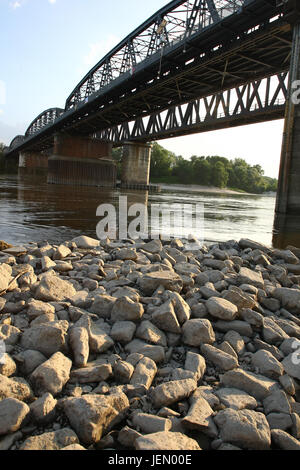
<point x="32" y="210"/>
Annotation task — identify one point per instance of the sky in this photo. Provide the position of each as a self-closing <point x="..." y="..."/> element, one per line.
<point x="47" y="46"/>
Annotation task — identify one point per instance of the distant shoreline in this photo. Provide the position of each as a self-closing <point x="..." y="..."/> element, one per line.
<point x="204" y="189"/>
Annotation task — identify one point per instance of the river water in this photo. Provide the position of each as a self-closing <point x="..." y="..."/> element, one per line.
<point x="32" y="210"/>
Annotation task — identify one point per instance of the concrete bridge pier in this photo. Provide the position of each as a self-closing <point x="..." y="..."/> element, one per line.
<point x="33" y="163"/>
<point x="287" y="211"/>
<point x="136" y="165"/>
<point x="81" y="161"/>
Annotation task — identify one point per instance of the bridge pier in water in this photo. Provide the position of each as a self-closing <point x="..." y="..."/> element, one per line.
<point x="287" y="211"/>
<point x="33" y="163"/>
<point x="81" y="161"/>
<point x="136" y="165"/>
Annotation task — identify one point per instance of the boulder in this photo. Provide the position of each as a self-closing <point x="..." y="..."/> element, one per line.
<point x="52" y="375"/>
<point x="256" y="385"/>
<point x="198" y="331"/>
<point x="125" y="309"/>
<point x="94" y="415"/>
<point x="221" y="308"/>
<point x="53" y="288"/>
<point x="86" y="242"/>
<point x="168" y="279"/>
<point x="166" y="440"/>
<point x="172" y="392"/>
<point x="144" y="372"/>
<point x="15" y="387"/>
<point x="13" y="413"/>
<point x="79" y="343"/>
<point x="56" y="440"/>
<point x="47" y="338"/>
<point x="247" y="429"/>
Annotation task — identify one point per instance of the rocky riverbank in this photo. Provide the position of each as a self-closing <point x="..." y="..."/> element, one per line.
<point x="149" y="346"/>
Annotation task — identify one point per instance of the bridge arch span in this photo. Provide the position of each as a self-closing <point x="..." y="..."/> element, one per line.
<point x="43" y="119"/>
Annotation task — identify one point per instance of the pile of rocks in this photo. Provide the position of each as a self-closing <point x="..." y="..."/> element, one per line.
<point x="149" y="346"/>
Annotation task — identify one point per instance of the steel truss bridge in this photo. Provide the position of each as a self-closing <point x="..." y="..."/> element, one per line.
<point x="194" y="66"/>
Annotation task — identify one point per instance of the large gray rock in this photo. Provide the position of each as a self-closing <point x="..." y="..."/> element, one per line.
<point x="168" y="279"/>
<point x="277" y="402"/>
<point x="244" y="428"/>
<point x="221" y="308"/>
<point x="155" y="352"/>
<point x="7" y="365"/>
<point x="47" y="338"/>
<point x="53" y="288"/>
<point x="144" y="372"/>
<point x="181" y="307"/>
<point x="15" y="387"/>
<point x="86" y="242"/>
<point x="247" y="276"/>
<point x="267" y="364"/>
<point x="272" y="333"/>
<point x="172" y="392"/>
<point x="92" y="372"/>
<point x="123" y="371"/>
<point x="289" y="298"/>
<point x="219" y="358"/>
<point x="12" y="413"/>
<point x="123" y="331"/>
<point x="154" y="246"/>
<point x="51" y="440"/>
<point x="37" y="308"/>
<point x="148" y="424"/>
<point x="5" y="276"/>
<point x="9" y="334"/>
<point x="93" y="415"/>
<point x="195" y="363"/>
<point x="198" y="331"/>
<point x="284" y="441"/>
<point x="79" y="342"/>
<point x="43" y="410"/>
<point x="256" y="385"/>
<point x="166" y="440"/>
<point x="103" y="305"/>
<point x="236" y="399"/>
<point x="29" y="360"/>
<point x="125" y="309"/>
<point x="52" y="375"/>
<point x="164" y="317"/>
<point x="291" y="365"/>
<point x="149" y="332"/>
<point x="199" y="418"/>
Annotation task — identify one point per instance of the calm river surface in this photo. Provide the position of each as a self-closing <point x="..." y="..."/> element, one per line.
<point x="32" y="210"/>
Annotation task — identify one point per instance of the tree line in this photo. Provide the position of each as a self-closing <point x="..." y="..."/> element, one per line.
<point x="209" y="171"/>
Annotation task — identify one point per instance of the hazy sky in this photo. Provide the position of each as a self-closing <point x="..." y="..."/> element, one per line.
<point x="47" y="46"/>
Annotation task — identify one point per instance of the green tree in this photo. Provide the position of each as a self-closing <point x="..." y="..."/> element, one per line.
<point x="162" y="161"/>
<point x="202" y="170"/>
<point x="219" y="175"/>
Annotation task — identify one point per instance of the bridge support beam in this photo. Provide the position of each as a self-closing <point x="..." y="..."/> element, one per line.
<point x="81" y="161"/>
<point x="33" y="163"/>
<point x="287" y="211"/>
<point x="136" y="165"/>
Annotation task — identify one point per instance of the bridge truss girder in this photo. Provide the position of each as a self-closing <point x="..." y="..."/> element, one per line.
<point x="255" y="101"/>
